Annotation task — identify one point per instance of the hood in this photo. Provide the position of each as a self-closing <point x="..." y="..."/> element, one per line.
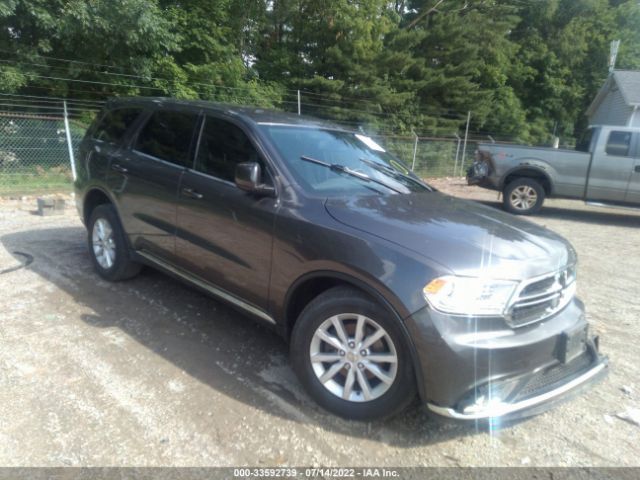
<point x="465" y="237"/>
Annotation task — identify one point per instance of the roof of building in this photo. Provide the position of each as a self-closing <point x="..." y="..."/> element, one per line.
<point x="628" y="81"/>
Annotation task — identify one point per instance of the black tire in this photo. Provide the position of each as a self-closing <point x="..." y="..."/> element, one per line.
<point x="122" y="267"/>
<point x="347" y="300"/>
<point x="518" y="197"/>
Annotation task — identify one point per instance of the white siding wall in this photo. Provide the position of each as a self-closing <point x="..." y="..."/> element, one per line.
<point x="636" y="118"/>
<point x="612" y="110"/>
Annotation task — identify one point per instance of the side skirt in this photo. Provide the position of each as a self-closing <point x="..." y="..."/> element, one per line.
<point x="206" y="286"/>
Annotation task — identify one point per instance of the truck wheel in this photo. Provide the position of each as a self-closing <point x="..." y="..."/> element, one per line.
<point x="350" y="355"/>
<point x="523" y="196"/>
<point x="108" y="247"/>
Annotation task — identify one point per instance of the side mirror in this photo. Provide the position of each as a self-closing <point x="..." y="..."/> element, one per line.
<point x="247" y="178"/>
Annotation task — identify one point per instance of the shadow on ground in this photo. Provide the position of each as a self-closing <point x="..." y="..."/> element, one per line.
<point x="206" y="339"/>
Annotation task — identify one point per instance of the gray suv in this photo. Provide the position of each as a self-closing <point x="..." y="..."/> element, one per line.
<point x="383" y="286"/>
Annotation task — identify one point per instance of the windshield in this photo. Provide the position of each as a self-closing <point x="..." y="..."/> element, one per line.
<point x="376" y="171"/>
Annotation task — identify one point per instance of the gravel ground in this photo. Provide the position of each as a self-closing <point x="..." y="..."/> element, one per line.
<point x="150" y="372"/>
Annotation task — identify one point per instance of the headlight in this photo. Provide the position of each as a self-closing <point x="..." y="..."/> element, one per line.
<point x="469" y="296"/>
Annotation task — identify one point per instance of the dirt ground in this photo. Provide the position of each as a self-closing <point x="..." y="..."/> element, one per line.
<point x="150" y="372"/>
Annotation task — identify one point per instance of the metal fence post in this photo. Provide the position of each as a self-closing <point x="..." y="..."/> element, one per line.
<point x="69" y="144"/>
<point x="415" y="151"/>
<point x="455" y="163"/>
<point x="466" y="135"/>
<point x="299" y="105"/>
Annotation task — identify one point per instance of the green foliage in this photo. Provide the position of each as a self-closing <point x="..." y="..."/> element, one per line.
<point x="524" y="69"/>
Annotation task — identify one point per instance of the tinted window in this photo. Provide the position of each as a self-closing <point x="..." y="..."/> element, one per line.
<point x="167" y="135"/>
<point x="222" y="147"/>
<point x="619" y="143"/>
<point x="115" y="123"/>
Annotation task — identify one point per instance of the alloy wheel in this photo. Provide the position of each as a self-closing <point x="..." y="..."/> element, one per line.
<point x="353" y="357"/>
<point x="104" y="245"/>
<point x="523" y="197"/>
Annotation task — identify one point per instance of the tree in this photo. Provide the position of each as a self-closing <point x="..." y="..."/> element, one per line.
<point x="526" y="70"/>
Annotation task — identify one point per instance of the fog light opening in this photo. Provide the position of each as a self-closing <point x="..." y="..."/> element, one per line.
<point x="484" y="404"/>
<point x="490" y="399"/>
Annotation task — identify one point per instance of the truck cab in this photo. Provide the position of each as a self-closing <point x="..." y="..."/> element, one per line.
<point x="614" y="173"/>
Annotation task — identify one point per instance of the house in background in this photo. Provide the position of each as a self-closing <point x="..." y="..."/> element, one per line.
<point x="618" y="101"/>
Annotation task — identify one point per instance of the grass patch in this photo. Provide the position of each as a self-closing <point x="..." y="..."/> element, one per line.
<point x="35" y="180"/>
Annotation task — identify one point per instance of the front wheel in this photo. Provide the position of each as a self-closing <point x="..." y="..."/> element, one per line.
<point x="523" y="196"/>
<point x="350" y="355"/>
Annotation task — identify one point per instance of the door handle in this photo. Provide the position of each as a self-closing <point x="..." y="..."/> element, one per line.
<point x="119" y="168"/>
<point x="637" y="169"/>
<point x="191" y="193"/>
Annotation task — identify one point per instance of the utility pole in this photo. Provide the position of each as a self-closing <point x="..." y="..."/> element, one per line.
<point x="299" y="106"/>
<point x="613" y="54"/>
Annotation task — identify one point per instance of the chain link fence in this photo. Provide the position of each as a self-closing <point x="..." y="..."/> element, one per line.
<point x="431" y="157"/>
<point x="34" y="153"/>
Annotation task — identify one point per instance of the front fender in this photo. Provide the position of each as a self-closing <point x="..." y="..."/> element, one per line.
<point x="382" y="295"/>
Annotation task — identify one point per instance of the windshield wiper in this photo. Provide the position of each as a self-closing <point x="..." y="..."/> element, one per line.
<point x="336" y="167"/>
<point x="393" y="171"/>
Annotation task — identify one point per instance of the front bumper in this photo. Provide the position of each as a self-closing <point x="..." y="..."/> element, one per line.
<point x="531" y="405"/>
<point x="474" y="369"/>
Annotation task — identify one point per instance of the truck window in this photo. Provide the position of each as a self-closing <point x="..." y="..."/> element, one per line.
<point x="584" y="143"/>
<point x="618" y="144"/>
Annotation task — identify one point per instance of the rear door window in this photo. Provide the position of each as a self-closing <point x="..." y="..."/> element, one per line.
<point x="115" y="123"/>
<point x="619" y="144"/>
<point x="584" y="143"/>
<point x="167" y="136"/>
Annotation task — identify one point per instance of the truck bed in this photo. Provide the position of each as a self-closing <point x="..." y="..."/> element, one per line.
<point x="567" y="168"/>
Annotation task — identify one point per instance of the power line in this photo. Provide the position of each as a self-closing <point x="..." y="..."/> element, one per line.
<point x="34" y="99"/>
<point x="379" y="119"/>
<point x="127" y="74"/>
<point x="63" y="59"/>
<point x="372" y="101"/>
<point x="247" y="94"/>
<point x="107" y="93"/>
<point x="94" y="82"/>
<point x="41" y="107"/>
<point x="368" y="112"/>
<point x="325" y="97"/>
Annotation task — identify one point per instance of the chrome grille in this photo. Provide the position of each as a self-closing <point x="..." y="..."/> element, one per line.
<point x="541" y="297"/>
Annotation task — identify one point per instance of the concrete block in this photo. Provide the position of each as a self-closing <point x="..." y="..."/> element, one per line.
<point x="50" y="206"/>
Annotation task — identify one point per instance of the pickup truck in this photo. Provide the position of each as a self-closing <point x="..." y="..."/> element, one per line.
<point x="604" y="169"/>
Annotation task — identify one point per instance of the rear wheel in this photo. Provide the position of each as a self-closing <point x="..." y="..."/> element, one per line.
<point x="108" y="247"/>
<point x="523" y="196"/>
<point x="350" y="355"/>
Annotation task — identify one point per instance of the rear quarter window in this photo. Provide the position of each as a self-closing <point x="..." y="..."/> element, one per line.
<point x="115" y="124"/>
<point x="619" y="144"/>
